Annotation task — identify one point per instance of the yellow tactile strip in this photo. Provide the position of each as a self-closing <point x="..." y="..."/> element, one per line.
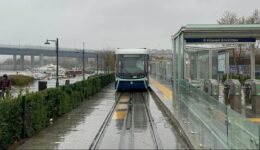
<point x="119" y="115"/>
<point x="124" y="98"/>
<point x="167" y="93"/>
<point x="255" y="120"/>
<point x="121" y="108"/>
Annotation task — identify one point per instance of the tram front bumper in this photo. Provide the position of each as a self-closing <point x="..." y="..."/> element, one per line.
<point x="131" y="85"/>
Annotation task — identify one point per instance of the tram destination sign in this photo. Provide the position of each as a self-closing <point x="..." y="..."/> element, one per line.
<point x="220" y="40"/>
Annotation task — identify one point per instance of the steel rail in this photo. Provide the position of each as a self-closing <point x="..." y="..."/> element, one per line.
<point x="155" y="135"/>
<point x="96" y="141"/>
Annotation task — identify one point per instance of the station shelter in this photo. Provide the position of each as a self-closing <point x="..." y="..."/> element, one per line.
<point x="202" y="52"/>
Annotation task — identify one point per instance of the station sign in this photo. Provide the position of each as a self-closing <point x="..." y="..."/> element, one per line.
<point x="222" y="62"/>
<point x="220" y="40"/>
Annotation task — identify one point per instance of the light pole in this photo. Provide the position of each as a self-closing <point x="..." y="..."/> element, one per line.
<point x="83" y="71"/>
<point x="97" y="62"/>
<point x="57" y="58"/>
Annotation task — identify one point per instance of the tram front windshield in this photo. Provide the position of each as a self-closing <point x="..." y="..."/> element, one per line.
<point x="131" y="64"/>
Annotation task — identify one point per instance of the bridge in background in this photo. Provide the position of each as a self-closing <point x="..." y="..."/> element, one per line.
<point x="41" y="52"/>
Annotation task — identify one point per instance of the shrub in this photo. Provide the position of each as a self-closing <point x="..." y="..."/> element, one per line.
<point x="240" y="77"/>
<point x="26" y="115"/>
<point x="36" y="113"/>
<point x="10" y="121"/>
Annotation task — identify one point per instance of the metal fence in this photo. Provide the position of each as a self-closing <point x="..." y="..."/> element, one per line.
<point x="161" y="69"/>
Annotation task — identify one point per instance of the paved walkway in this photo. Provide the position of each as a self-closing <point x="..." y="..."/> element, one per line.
<point x="77" y="129"/>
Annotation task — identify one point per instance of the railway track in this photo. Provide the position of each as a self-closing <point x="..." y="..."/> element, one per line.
<point x="154" y="133"/>
<point x="136" y="128"/>
<point x="100" y="134"/>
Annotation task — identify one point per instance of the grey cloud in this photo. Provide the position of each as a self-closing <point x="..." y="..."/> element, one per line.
<point x="108" y="23"/>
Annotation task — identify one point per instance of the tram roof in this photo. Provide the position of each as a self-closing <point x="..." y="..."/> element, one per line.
<point x="132" y="51"/>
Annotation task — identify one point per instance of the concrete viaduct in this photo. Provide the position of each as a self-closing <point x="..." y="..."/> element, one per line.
<point x="41" y="52"/>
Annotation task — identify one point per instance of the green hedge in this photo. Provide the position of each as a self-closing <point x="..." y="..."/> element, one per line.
<point x="240" y="77"/>
<point x="26" y="115"/>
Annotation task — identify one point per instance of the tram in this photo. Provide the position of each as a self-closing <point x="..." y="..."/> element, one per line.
<point x="131" y="69"/>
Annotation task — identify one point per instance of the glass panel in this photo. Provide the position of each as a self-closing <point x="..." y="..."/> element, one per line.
<point x="203" y="65"/>
<point x="168" y="70"/>
<point x="212" y="124"/>
<point x="181" y="58"/>
<point x="210" y="110"/>
<point x="153" y="69"/>
<point x="242" y="134"/>
<point x="193" y="65"/>
<point x="215" y="65"/>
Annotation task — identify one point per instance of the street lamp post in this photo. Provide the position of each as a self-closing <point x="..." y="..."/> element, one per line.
<point x="97" y="62"/>
<point x="57" y="58"/>
<point x="83" y="70"/>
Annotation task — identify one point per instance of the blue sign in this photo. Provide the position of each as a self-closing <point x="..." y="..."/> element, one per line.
<point x="220" y="40"/>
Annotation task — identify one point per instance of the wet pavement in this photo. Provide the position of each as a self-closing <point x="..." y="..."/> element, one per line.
<point x="76" y="129"/>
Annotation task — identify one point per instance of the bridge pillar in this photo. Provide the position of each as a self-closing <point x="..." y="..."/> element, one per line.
<point x="22" y="62"/>
<point x="14" y="62"/>
<point x="32" y="61"/>
<point x="41" y="59"/>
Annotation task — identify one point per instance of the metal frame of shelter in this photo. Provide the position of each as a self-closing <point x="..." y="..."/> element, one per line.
<point x="211" y="34"/>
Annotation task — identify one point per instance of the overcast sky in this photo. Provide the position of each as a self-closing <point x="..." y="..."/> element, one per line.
<point x="109" y="23"/>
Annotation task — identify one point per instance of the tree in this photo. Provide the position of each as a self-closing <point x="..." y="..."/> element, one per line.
<point x="109" y="60"/>
<point x="232" y="18"/>
<point x="106" y="60"/>
<point x="228" y="18"/>
<point x="255" y="18"/>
